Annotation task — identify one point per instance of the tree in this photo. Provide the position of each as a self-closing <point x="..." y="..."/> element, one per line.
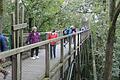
<point x="1" y="15"/>
<point x="42" y="12"/>
<point x="114" y="10"/>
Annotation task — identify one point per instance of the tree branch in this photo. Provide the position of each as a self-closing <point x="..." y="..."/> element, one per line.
<point x="28" y="10"/>
<point x="53" y="16"/>
<point x="116" y="14"/>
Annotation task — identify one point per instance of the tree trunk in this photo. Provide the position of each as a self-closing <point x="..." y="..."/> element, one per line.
<point x="113" y="13"/>
<point x="109" y="54"/>
<point x="109" y="45"/>
<point x="30" y="23"/>
<point x="1" y="15"/>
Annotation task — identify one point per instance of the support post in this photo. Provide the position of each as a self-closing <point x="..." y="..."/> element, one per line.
<point x="78" y="56"/>
<point x="14" y="62"/>
<point x="21" y="31"/>
<point x="16" y="59"/>
<point x="70" y="42"/>
<point x="47" y="62"/>
<point x="19" y="67"/>
<point x="61" y="60"/>
<point x="18" y="41"/>
<point x="74" y="40"/>
<point x="80" y="50"/>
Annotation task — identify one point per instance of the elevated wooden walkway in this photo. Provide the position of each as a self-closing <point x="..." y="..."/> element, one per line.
<point x="34" y="69"/>
<point x="45" y="68"/>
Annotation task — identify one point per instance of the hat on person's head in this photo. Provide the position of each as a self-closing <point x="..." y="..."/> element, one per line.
<point x="34" y="28"/>
<point x="53" y="30"/>
<point x="72" y="26"/>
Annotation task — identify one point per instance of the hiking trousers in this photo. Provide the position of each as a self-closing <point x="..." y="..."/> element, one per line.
<point x="52" y="51"/>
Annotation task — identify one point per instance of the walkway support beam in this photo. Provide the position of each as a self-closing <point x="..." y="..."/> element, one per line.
<point x="47" y="62"/>
<point x="78" y="56"/>
<point x="16" y="59"/>
<point x="70" y="41"/>
<point x="74" y="73"/>
<point x="61" y="60"/>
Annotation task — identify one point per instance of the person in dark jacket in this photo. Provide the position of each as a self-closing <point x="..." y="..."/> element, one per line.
<point x="3" y="43"/>
<point x="66" y="31"/>
<point x="53" y="44"/>
<point x="34" y="37"/>
<point x="73" y="29"/>
<point x="3" y="47"/>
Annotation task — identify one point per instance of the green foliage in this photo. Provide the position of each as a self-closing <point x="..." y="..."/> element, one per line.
<point x="1" y="7"/>
<point x="43" y="12"/>
<point x="116" y="58"/>
<point x="49" y="14"/>
<point x="46" y="14"/>
<point x="8" y="9"/>
<point x="99" y="27"/>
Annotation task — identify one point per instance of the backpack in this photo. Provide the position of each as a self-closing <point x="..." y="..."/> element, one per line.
<point x="0" y="43"/>
<point x="3" y="43"/>
<point x="70" y="31"/>
<point x="65" y="32"/>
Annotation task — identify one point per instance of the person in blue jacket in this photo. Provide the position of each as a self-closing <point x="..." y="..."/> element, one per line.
<point x="3" y="47"/>
<point x="66" y="31"/>
<point x="3" y="43"/>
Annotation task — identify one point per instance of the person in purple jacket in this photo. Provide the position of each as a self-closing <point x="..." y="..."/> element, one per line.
<point x="34" y="37"/>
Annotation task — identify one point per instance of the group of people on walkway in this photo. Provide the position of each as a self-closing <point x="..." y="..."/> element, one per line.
<point x="34" y="37"/>
<point x="67" y="31"/>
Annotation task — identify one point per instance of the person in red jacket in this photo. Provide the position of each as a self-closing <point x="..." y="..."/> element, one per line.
<point x="52" y="35"/>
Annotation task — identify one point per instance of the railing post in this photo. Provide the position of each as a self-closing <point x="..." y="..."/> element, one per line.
<point x="78" y="56"/>
<point x="21" y="31"/>
<point x="80" y="52"/>
<point x="70" y="41"/>
<point x="47" y="62"/>
<point x="74" y="39"/>
<point x="19" y="60"/>
<point x="78" y="45"/>
<point x="13" y="46"/>
<point x="16" y="59"/>
<point x="19" y="67"/>
<point x="61" y="61"/>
